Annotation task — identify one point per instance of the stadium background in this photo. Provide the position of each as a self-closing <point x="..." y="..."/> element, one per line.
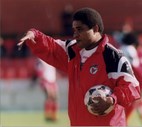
<point x="17" y="96"/>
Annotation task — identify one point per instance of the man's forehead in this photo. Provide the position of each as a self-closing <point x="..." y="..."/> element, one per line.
<point x="78" y="24"/>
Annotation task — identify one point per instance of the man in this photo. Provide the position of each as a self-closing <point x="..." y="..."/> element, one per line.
<point x="47" y="77"/>
<point x="89" y="60"/>
<point x="129" y="47"/>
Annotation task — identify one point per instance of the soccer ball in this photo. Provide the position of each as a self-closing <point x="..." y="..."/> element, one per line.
<point x="95" y="91"/>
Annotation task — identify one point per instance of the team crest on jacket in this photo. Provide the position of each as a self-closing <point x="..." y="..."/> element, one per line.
<point x="93" y="69"/>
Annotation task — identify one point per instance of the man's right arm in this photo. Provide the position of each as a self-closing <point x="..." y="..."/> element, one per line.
<point x="46" y="48"/>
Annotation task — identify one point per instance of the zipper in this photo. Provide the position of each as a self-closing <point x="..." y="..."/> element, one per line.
<point x="78" y="69"/>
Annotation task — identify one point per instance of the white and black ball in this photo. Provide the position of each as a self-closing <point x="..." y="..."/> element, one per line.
<point x="95" y="91"/>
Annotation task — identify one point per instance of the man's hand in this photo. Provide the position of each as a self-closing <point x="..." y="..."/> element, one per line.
<point x="29" y="36"/>
<point x="101" y="104"/>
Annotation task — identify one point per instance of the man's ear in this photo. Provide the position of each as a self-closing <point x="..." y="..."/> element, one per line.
<point x="96" y="28"/>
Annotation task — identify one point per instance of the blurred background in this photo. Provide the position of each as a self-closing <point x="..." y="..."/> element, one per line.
<point x="21" y="100"/>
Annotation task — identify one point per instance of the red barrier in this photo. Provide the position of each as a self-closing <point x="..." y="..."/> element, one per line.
<point x="16" y="68"/>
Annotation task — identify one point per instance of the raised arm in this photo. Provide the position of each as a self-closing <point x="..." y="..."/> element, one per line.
<point x="46" y="48"/>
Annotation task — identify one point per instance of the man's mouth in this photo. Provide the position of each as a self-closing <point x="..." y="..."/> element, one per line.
<point x="78" y="41"/>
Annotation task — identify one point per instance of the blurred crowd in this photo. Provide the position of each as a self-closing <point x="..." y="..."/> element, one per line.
<point x="8" y="43"/>
<point x="130" y="43"/>
<point x="8" y="48"/>
<point x="127" y="39"/>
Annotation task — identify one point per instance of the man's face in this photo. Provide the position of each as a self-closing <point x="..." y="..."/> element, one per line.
<point x="82" y="34"/>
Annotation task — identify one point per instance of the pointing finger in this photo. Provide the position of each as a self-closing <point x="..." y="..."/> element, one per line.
<point x="25" y="38"/>
<point x="19" y="48"/>
<point x="20" y="43"/>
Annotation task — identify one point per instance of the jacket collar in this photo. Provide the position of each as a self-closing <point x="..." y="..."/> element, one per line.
<point x="101" y="45"/>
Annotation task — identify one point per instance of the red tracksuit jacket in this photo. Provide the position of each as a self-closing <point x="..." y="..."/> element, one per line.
<point x="105" y="66"/>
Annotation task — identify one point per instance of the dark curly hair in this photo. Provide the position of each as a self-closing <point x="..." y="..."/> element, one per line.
<point x="89" y="17"/>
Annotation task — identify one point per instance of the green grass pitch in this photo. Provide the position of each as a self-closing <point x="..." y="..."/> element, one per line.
<point x="36" y="119"/>
<point x="31" y="119"/>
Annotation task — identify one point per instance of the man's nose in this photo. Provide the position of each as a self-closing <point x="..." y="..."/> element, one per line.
<point x="75" y="35"/>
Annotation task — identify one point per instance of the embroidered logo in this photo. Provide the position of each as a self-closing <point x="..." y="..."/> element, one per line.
<point x="93" y="69"/>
